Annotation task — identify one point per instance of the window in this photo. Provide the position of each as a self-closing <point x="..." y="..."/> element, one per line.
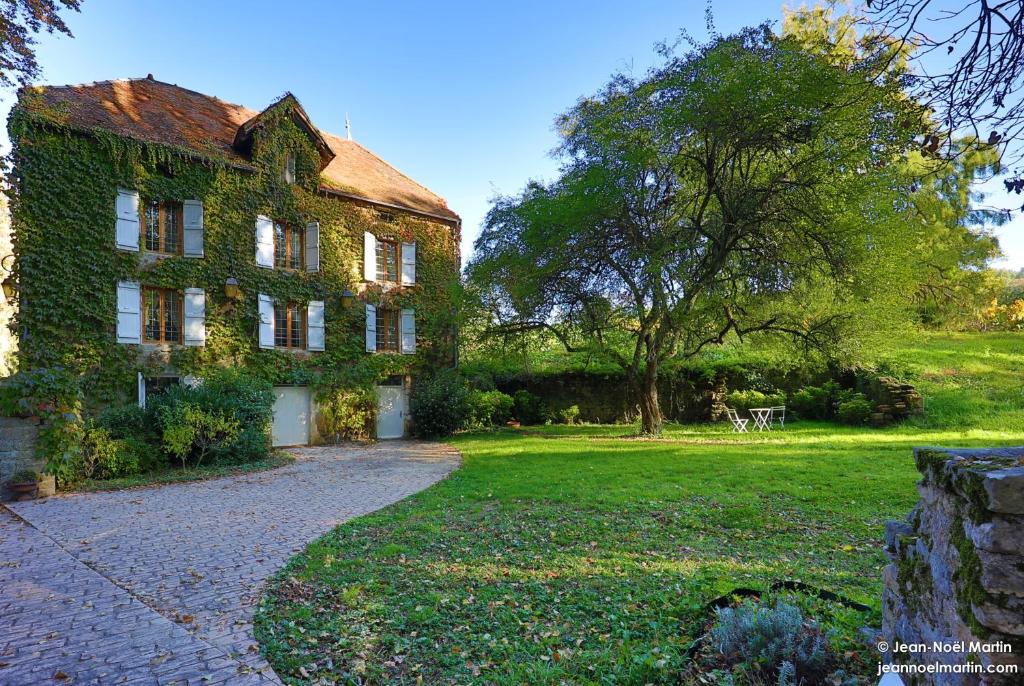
<point x="387" y="330"/>
<point x="387" y="261"/>
<point x="289" y="169"/>
<point x="289" y="325"/>
<point x="289" y="246"/>
<point x="163" y="227"/>
<point x="162" y="309"/>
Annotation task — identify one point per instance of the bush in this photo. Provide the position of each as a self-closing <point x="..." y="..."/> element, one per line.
<point x="439" y="405"/>
<point x="191" y="432"/>
<point x="811" y="402"/>
<point x="24" y="476"/>
<point x="346" y="413"/>
<point x="855" y="410"/>
<point x="568" y="415"/>
<point x="744" y="400"/>
<point x="40" y="392"/>
<point x="490" y="408"/>
<point x="528" y="408"/>
<point x="124" y="421"/>
<point x="773" y="644"/>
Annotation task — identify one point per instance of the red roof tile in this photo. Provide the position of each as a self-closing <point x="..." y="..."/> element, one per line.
<point x="154" y="111"/>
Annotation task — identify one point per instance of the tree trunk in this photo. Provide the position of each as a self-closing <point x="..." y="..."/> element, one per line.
<point x="647" y="393"/>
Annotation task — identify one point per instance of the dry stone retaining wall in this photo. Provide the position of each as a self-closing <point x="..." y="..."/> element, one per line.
<point x="17" y="450"/>
<point x="957" y="567"/>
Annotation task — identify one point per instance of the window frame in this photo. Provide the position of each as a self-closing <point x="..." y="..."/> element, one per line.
<point x="382" y="275"/>
<point x="288" y="173"/>
<point x="162" y="315"/>
<point x="292" y="310"/>
<point x="284" y="261"/>
<point x="384" y="316"/>
<point x="163" y="208"/>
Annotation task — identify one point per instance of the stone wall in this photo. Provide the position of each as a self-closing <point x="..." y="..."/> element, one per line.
<point x="957" y="570"/>
<point x="17" y="449"/>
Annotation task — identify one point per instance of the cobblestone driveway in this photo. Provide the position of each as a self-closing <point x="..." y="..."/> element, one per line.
<point x="159" y="585"/>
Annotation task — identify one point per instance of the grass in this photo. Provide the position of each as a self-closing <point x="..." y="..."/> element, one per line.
<point x="176" y="475"/>
<point x="582" y="555"/>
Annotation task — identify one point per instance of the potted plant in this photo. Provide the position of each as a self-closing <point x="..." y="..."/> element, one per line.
<point x="24" y="482"/>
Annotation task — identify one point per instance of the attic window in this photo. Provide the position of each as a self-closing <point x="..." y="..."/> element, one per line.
<point x="289" y="168"/>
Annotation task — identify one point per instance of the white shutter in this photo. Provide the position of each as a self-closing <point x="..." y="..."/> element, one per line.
<point x="266" y="321"/>
<point x="129" y="312"/>
<point x="371" y="329"/>
<point x="315" y="325"/>
<point x="127" y="209"/>
<point x="369" y="256"/>
<point x="408" y="332"/>
<point x="140" y="382"/>
<point x="313" y="247"/>
<point x="195" y="316"/>
<point x="409" y="264"/>
<point x="193" y="243"/>
<point x="264" y="242"/>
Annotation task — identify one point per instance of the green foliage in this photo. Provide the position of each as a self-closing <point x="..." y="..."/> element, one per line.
<point x="568" y="415"/>
<point x="346" y="413"/>
<point x="855" y="409"/>
<point x="24" y="476"/>
<point x="744" y="400"/>
<point x="489" y="408"/>
<point x="772" y="644"/>
<point x="64" y="186"/>
<point x="39" y="392"/>
<point x="123" y="421"/>
<point x="439" y="405"/>
<point x="529" y="408"/>
<point x="814" y="402"/>
<point x="191" y="432"/>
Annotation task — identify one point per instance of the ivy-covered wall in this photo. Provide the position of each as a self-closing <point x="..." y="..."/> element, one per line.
<point x="63" y="203"/>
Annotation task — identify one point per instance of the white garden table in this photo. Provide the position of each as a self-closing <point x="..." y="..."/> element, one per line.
<point x="762" y="418"/>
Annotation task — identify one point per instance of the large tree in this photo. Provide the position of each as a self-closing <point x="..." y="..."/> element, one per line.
<point x="20" y="21"/>
<point x="747" y="186"/>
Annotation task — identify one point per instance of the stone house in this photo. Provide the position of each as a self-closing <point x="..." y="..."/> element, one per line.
<point x="160" y="232"/>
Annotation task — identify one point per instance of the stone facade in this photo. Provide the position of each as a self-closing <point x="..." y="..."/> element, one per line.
<point x="957" y="571"/>
<point x="17" y="450"/>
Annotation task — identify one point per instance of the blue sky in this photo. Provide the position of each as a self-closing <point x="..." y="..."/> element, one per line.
<point x="459" y="95"/>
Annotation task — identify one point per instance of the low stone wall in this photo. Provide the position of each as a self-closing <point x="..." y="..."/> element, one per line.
<point x="17" y="450"/>
<point x="957" y="571"/>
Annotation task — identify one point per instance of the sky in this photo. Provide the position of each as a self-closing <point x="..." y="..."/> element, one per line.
<point x="461" y="96"/>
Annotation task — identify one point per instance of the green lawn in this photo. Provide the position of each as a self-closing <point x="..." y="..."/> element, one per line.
<point x="581" y="555"/>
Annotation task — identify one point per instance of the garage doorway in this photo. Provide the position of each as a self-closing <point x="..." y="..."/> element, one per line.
<point x="390" y="411"/>
<point x="291" y="416"/>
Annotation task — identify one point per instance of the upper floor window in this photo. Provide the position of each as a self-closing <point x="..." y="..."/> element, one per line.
<point x="288" y="174"/>
<point x="289" y="246"/>
<point x="162" y="309"/>
<point x="387" y="261"/>
<point x="289" y="325"/>
<point x="163" y="227"/>
<point x="388" y="330"/>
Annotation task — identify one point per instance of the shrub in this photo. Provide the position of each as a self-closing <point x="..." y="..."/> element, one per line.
<point x="129" y="420"/>
<point x="191" y="432"/>
<point x="528" y="408"/>
<point x="811" y="402"/>
<point x="439" y="405"/>
<point x="773" y="643"/>
<point x="856" y="410"/>
<point x="24" y="476"/>
<point x="78" y="450"/>
<point x="41" y="392"/>
<point x="744" y="400"/>
<point x="346" y="413"/>
<point x="490" y="408"/>
<point x="568" y="415"/>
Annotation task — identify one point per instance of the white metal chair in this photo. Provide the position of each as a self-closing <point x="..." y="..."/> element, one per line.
<point x="739" y="425"/>
<point x="779" y="415"/>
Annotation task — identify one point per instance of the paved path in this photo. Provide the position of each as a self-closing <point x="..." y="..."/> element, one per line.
<point x="159" y="585"/>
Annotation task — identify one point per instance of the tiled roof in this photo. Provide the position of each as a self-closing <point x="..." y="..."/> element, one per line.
<point x="154" y="111"/>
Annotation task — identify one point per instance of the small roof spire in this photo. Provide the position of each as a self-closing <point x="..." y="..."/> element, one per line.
<point x="348" y="127"/>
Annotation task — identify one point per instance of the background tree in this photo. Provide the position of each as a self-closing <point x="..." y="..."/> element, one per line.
<point x="20" y="21"/>
<point x="747" y="187"/>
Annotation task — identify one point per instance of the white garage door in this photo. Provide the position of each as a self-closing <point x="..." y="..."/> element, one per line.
<point x="390" y="411"/>
<point x="291" y="416"/>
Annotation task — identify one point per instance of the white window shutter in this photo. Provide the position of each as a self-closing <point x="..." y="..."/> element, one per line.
<point x="129" y="312"/>
<point x="315" y="325"/>
<point x="264" y="242"/>
<point x="313" y="247"/>
<point x="140" y="382"/>
<point x="369" y="256"/>
<point x="371" y="329"/>
<point x="409" y="264"/>
<point x="127" y="209"/>
<point x="266" y="321"/>
<point x="193" y="244"/>
<point x="408" y="332"/>
<point x="195" y="316"/>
